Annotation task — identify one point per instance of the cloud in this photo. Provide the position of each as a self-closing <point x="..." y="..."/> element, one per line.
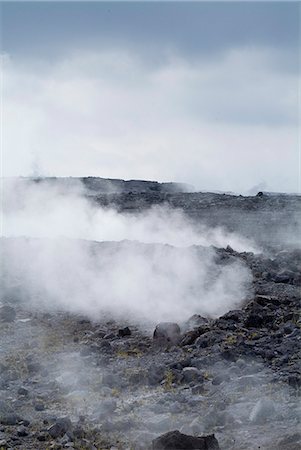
<point x="228" y="123"/>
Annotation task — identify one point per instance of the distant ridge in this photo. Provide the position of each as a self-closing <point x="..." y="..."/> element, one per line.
<point x="97" y="185"/>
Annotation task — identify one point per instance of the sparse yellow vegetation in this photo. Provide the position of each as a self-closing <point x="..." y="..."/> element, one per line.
<point x="127" y="353"/>
<point x="168" y="380"/>
<point x="231" y="340"/>
<point x="207" y="375"/>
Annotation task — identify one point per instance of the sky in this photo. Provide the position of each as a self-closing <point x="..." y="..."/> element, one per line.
<point x="199" y="92"/>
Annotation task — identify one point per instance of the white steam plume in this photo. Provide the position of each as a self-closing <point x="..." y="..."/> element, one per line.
<point x="126" y="279"/>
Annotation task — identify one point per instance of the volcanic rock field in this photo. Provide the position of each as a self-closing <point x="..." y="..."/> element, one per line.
<point x="120" y="344"/>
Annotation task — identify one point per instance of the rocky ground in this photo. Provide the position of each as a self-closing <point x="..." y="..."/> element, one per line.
<point x="68" y="381"/>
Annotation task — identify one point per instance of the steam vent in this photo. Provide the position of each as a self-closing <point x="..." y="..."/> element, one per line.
<point x="161" y="319"/>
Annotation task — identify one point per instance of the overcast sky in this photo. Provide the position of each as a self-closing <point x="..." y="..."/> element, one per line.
<point x="205" y="93"/>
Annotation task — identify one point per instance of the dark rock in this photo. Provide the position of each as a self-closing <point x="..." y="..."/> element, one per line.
<point x="196" y="321"/>
<point x="192" y="374"/>
<point x="79" y="432"/>
<point x="294" y="380"/>
<point x="235" y="316"/>
<point x="7" y="313"/>
<point x="285" y="276"/>
<point x="22" y="431"/>
<point x="60" y="427"/>
<point x="41" y="436"/>
<point x="190" y="337"/>
<point x="23" y="391"/>
<point x="198" y="389"/>
<point x="122" y="332"/>
<point x="167" y="333"/>
<point x="174" y="440"/>
<point x="209" y="338"/>
<point x="10" y="419"/>
<point x="39" y="407"/>
<point x="33" y="367"/>
<point x="156" y="374"/>
<point x="109" y="336"/>
<point x="229" y="355"/>
<point x="264" y="300"/>
<point x="254" y="321"/>
<point x="105" y="346"/>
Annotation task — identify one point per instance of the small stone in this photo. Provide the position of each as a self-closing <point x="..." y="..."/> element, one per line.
<point x="122" y="332"/>
<point x="254" y="321"/>
<point x="105" y="346"/>
<point x="33" y="367"/>
<point x="22" y="431"/>
<point x="167" y="333"/>
<point x="10" y="419"/>
<point x="41" y="436"/>
<point x="198" y="389"/>
<point x="178" y="441"/>
<point x="60" y="427"/>
<point x="192" y="374"/>
<point x="23" y="391"/>
<point x="39" y="407"/>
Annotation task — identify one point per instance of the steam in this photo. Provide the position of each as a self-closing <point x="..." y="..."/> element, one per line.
<point x="151" y="269"/>
<point x="44" y="210"/>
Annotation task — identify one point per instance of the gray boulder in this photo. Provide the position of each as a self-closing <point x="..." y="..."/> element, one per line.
<point x="174" y="440"/>
<point x="167" y="333"/>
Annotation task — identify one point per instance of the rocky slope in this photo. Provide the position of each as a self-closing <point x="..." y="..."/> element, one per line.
<point x="82" y="382"/>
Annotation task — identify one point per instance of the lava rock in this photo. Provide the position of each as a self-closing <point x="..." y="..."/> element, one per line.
<point x="209" y="338"/>
<point x="39" y="406"/>
<point x="294" y="380"/>
<point x="190" y="337"/>
<point x="174" y="440"/>
<point x="60" y="427"/>
<point x="167" y="333"/>
<point x="196" y="321"/>
<point x="105" y="346"/>
<point x="22" y="431"/>
<point x="122" y="332"/>
<point x="156" y="374"/>
<point x="285" y="276"/>
<point x="254" y="321"/>
<point x="33" y="367"/>
<point x="23" y="391"/>
<point x="235" y="315"/>
<point x="7" y="313"/>
<point x="10" y="419"/>
<point x="192" y="374"/>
